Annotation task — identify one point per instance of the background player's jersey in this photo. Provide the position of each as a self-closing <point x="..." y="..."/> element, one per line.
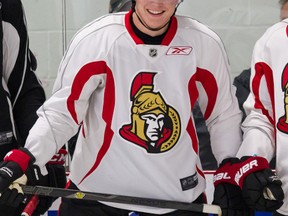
<point x="21" y="93"/>
<point x="133" y="102"/>
<point x="266" y="106"/>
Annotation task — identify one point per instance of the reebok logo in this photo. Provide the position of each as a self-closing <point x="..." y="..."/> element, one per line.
<point x="181" y="50"/>
<point x="244" y="169"/>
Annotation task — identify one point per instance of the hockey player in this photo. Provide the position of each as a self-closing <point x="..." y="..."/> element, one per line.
<point x="130" y="81"/>
<point x="114" y="6"/>
<point x="284" y="9"/>
<point x="265" y="128"/>
<point x="21" y="94"/>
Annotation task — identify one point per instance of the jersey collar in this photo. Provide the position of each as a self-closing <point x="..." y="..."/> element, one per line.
<point x="167" y="39"/>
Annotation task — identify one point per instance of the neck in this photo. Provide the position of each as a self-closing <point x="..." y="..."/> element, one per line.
<point x="142" y="26"/>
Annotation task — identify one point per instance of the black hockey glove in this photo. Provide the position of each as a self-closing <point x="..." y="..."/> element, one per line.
<point x="261" y="188"/>
<point x="12" y="170"/>
<point x="227" y="193"/>
<point x="56" y="177"/>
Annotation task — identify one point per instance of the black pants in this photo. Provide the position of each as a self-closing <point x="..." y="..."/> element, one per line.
<point x="6" y="210"/>
<point x="11" y="211"/>
<point x="73" y="207"/>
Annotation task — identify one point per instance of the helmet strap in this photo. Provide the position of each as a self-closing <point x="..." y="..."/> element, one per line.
<point x="150" y="28"/>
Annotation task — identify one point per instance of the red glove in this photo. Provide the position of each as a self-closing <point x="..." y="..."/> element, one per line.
<point x="59" y="158"/>
<point x="14" y="165"/>
<point x="227" y="193"/>
<point x="261" y="188"/>
<point x="247" y="166"/>
<point x="56" y="178"/>
<point x="225" y="173"/>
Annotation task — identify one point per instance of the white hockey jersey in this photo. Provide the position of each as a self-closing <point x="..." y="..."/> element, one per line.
<point x="266" y="126"/>
<point x="133" y="102"/>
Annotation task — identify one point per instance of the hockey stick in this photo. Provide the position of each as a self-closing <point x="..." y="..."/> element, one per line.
<point x="76" y="194"/>
<point x="31" y="206"/>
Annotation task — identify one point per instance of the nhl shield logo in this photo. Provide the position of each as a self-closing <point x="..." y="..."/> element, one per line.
<point x="153" y="52"/>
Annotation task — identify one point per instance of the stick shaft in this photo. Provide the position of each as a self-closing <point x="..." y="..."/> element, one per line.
<point x="76" y="194"/>
<point x="31" y="206"/>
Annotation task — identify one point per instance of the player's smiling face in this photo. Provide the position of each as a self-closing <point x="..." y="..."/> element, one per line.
<point x="154" y="14"/>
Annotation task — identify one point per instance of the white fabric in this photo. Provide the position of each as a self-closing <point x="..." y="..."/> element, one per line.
<point x="262" y="136"/>
<point x="126" y="168"/>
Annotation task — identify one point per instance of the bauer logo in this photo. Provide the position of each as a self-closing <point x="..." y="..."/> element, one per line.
<point x="221" y="176"/>
<point x="181" y="50"/>
<point x="244" y="169"/>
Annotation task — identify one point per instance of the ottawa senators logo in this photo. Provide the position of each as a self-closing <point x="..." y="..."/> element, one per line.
<point x="282" y="124"/>
<point x="154" y="125"/>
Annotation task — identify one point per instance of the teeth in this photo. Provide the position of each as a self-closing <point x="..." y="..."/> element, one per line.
<point x="155" y="12"/>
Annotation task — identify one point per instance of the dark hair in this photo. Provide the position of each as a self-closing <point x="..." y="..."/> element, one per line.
<point x="282" y="3"/>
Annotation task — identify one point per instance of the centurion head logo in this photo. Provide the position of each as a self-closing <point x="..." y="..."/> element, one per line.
<point x="282" y="124"/>
<point x="155" y="126"/>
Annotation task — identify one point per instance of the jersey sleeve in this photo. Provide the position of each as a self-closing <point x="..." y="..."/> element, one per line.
<point x="223" y="116"/>
<point x="258" y="127"/>
<point x="65" y="111"/>
<point x="21" y="91"/>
